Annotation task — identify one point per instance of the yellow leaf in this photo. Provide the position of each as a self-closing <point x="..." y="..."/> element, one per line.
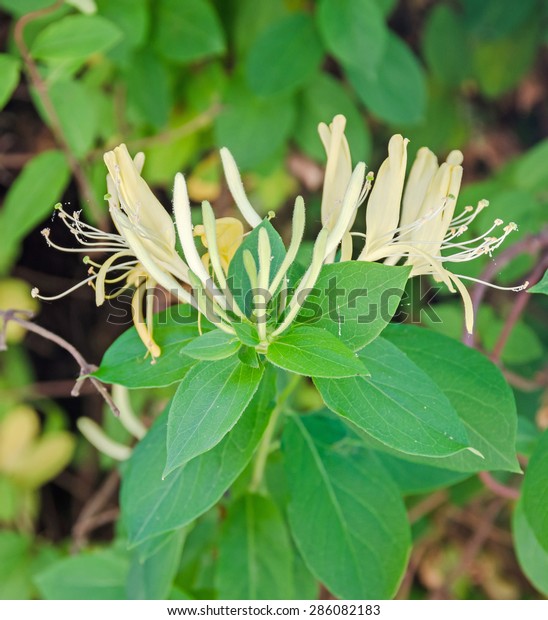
<point x="15" y="294"/>
<point x="17" y="432"/>
<point x="47" y="458"/>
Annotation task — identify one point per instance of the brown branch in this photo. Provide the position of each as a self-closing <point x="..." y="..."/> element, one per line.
<point x="532" y="244"/>
<point x="174" y="133"/>
<point x="84" y="186"/>
<point x="520" y="303"/>
<point x="85" y="367"/>
<point x="88" y="518"/>
<point x="15" y="160"/>
<point x="497" y="487"/>
<point x="430" y="503"/>
<point x="524" y="384"/>
<point x="480" y="537"/>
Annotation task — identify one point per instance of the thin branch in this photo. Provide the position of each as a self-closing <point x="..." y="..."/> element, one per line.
<point x="520" y="303"/>
<point x="15" y="160"/>
<point x="87" y="519"/>
<point x="539" y="382"/>
<point x="174" y="133"/>
<point x="428" y="505"/>
<point x="497" y="487"/>
<point x="85" y="367"/>
<point x="41" y="88"/>
<point x="475" y="545"/>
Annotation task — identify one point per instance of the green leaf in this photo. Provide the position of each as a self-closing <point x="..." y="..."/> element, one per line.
<point x="148" y="88"/>
<point x="542" y="286"/>
<point x="9" y="77"/>
<point x="74" y="37"/>
<point x="354" y="31"/>
<point x="492" y="19"/>
<point x="93" y="576"/>
<point x="386" y="6"/>
<point x="133" y="19"/>
<point x="396" y="91"/>
<point x="532" y="557"/>
<point x="399" y="405"/>
<point x="246" y="332"/>
<point x="446" y="55"/>
<point x="238" y="280"/>
<point x="250" y="18"/>
<point x="253" y="128"/>
<point x="354" y="300"/>
<point x="345" y="513"/>
<point x="255" y="556"/>
<point x="214" y="345"/>
<point x="321" y="99"/>
<point x="77" y="114"/>
<point x="30" y="200"/>
<point x="284" y="57"/>
<point x="522" y="346"/>
<point x="476" y="390"/>
<point x="187" y="31"/>
<point x="207" y="404"/>
<point x="501" y="63"/>
<point x="535" y="492"/>
<point x="314" y="352"/>
<point x="125" y="361"/>
<point x="15" y="569"/>
<point x="248" y="355"/>
<point x="20" y="7"/>
<point x="151" y="578"/>
<point x="152" y="505"/>
<point x="415" y="478"/>
<point x="530" y="169"/>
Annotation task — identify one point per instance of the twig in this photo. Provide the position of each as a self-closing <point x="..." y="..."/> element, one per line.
<point x="85" y="367"/>
<point x="532" y="244"/>
<point x="497" y="487"/>
<point x="515" y="313"/>
<point x="414" y="564"/>
<point x="40" y="85"/>
<point x="14" y="160"/>
<point x="198" y="122"/>
<point x="426" y="506"/>
<point x="539" y="382"/>
<point x="87" y="519"/>
<point x="475" y="545"/>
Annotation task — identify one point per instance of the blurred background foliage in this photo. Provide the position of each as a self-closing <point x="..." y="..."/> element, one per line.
<point x="180" y="78"/>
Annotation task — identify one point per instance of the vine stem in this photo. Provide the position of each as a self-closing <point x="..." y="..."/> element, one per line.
<point x="497" y="487"/>
<point x="85" y="367"/>
<point x="517" y="310"/>
<point x="266" y="441"/>
<point x="41" y="88"/>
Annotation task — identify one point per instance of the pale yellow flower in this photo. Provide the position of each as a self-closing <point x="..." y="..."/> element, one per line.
<point x="229" y="233"/>
<point x="421" y="225"/>
<point x="143" y="252"/>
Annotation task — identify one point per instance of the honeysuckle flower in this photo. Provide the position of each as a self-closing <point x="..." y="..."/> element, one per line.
<point x="96" y="435"/>
<point x="421" y="226"/>
<point x="142" y="252"/>
<point x="338" y="169"/>
<point x="229" y="234"/>
<point x="210" y="289"/>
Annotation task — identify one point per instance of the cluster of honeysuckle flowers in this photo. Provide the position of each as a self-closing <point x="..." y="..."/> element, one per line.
<point x="411" y="223"/>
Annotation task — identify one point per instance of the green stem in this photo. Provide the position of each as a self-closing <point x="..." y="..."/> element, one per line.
<point x="266" y="441"/>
